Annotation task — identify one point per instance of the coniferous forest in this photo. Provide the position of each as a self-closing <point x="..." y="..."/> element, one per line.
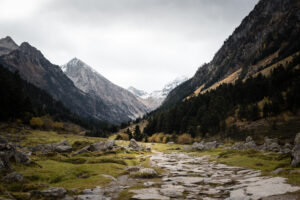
<point x="22" y="100"/>
<point x="208" y="112"/>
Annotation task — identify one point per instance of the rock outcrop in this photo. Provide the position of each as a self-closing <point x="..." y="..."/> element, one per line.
<point x="296" y="152"/>
<point x="134" y="145"/>
<point x="60" y="147"/>
<point x="8" y="153"/>
<point x="102" y="146"/>
<point x="203" y="146"/>
<point x="249" y="144"/>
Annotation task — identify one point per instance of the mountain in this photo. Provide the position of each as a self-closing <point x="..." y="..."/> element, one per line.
<point x="251" y="87"/>
<point x="154" y="99"/>
<point x="137" y="92"/>
<point x="89" y="81"/>
<point x="36" y="69"/>
<point x="7" y="45"/>
<point x="268" y="36"/>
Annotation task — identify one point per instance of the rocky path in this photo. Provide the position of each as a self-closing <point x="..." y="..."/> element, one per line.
<point x="190" y="177"/>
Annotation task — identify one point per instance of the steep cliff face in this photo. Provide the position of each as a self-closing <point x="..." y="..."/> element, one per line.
<point x="88" y="80"/>
<point x="35" y="68"/>
<point x="267" y="35"/>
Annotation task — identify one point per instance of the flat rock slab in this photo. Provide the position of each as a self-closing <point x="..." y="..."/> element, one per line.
<point x="199" y="178"/>
<point x="148" y="194"/>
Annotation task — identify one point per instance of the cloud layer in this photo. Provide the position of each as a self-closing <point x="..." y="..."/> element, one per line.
<point x="143" y="43"/>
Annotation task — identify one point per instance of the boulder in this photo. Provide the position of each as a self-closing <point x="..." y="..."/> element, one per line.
<point x="238" y="146"/>
<point x="202" y="146"/>
<point x="13" y="177"/>
<point x="296" y="152"/>
<point x="286" y="149"/>
<point x="249" y="139"/>
<point x="270" y="145"/>
<point x="63" y="149"/>
<point x="102" y="146"/>
<point x="198" y="145"/>
<point x="55" y="193"/>
<point x="250" y="145"/>
<point x="8" y="152"/>
<point x="21" y="157"/>
<point x="60" y="147"/>
<point x="210" y="145"/>
<point x="134" y="145"/>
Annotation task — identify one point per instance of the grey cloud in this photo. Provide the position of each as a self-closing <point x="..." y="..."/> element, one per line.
<point x="144" y="43"/>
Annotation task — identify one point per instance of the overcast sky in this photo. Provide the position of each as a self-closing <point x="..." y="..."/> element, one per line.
<point x="140" y="43"/>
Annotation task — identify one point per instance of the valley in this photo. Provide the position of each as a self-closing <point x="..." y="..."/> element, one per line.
<point x="229" y="132"/>
<point x="66" y="166"/>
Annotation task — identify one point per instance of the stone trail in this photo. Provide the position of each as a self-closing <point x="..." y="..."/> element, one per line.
<point x="190" y="177"/>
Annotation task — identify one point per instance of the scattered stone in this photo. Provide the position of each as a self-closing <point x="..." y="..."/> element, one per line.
<point x="13" y="177"/>
<point x="63" y="147"/>
<point x="8" y="152"/>
<point x="296" y="152"/>
<point x="203" y="146"/>
<point x="102" y="146"/>
<point x="54" y="192"/>
<point x="170" y="143"/>
<point x="270" y="145"/>
<point x="134" y="145"/>
<point x="286" y="149"/>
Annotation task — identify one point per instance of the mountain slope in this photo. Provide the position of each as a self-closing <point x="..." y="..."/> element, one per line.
<point x="267" y="35"/>
<point x="36" y="69"/>
<point x="251" y="87"/>
<point x="90" y="81"/>
<point x="154" y="99"/>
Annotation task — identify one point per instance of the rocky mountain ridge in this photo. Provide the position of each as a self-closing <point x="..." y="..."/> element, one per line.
<point x="154" y="99"/>
<point x="36" y="69"/>
<point x="90" y="81"/>
<point x="7" y="45"/>
<point x="266" y="36"/>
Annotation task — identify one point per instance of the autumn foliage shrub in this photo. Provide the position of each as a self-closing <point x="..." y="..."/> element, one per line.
<point x="36" y="122"/>
<point x="185" y="139"/>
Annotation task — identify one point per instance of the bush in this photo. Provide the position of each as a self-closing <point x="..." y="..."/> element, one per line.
<point x="58" y="125"/>
<point x="47" y="121"/>
<point x="158" y="138"/>
<point x="36" y="122"/>
<point x="185" y="139"/>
